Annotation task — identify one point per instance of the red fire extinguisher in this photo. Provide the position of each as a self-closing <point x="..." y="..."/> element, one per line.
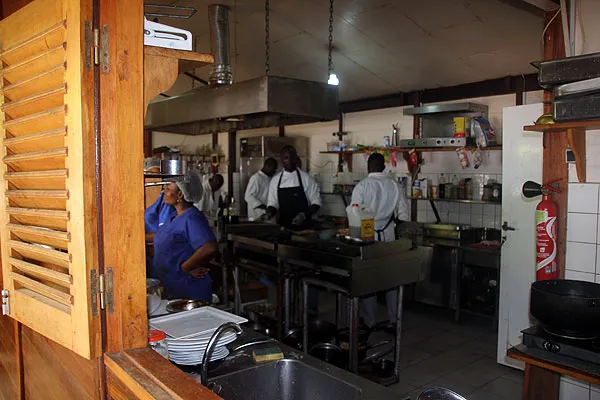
<point x="546" y="218"/>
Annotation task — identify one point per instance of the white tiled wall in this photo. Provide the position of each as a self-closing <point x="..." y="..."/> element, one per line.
<point x="572" y="389"/>
<point x="583" y="238"/>
<point x="583" y="263"/>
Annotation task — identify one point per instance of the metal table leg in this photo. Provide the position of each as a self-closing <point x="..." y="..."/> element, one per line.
<point x="237" y="306"/>
<point x="287" y="305"/>
<point x="398" y="332"/>
<point x="339" y="309"/>
<point x="279" y="309"/>
<point x="353" y="345"/>
<point x="305" y="317"/>
<point x="224" y="272"/>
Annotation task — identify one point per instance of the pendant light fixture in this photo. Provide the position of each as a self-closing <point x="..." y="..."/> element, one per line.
<point x="333" y="79"/>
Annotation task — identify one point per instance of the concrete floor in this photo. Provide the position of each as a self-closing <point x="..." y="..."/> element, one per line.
<point x="436" y="351"/>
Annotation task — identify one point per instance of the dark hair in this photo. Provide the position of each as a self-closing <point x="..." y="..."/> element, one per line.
<point x="376" y="163"/>
<point x="219" y="177"/>
<point x="289" y="149"/>
<point x="271" y="162"/>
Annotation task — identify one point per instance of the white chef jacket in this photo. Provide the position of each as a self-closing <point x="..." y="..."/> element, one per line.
<point x="257" y="193"/>
<point x="290" y="179"/>
<point x="209" y="204"/>
<point x="385" y="197"/>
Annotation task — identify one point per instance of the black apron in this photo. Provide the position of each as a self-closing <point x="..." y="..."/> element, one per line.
<point x="292" y="201"/>
<point x="380" y="231"/>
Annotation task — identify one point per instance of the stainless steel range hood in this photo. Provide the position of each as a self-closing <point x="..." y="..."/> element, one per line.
<point x="256" y="103"/>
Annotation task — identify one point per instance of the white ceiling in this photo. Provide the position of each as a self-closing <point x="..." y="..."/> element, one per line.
<point x="380" y="46"/>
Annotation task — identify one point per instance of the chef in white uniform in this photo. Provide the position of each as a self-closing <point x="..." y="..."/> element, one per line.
<point x="257" y="192"/>
<point x="293" y="194"/>
<point x="388" y="201"/>
<point x="209" y="204"/>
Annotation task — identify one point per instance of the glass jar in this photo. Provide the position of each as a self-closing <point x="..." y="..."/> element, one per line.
<point x="157" y="342"/>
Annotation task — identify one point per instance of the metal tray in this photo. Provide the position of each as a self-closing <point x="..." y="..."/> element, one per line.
<point x="567" y="70"/>
<point x="580" y="88"/>
<point x="199" y="322"/>
<point x="576" y="108"/>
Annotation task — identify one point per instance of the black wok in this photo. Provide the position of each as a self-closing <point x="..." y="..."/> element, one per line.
<point x="567" y="308"/>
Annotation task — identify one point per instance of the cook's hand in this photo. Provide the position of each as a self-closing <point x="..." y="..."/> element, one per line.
<point x="299" y="219"/>
<point x="199" y="272"/>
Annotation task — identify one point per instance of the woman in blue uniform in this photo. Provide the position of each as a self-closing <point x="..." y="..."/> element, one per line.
<point x="185" y="244"/>
<point x="154" y="217"/>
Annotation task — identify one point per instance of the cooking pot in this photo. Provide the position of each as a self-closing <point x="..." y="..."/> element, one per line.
<point x="259" y="327"/>
<point x="343" y="340"/>
<point x="318" y="331"/>
<point x="173" y="167"/>
<point x="330" y="353"/>
<point x="567" y="308"/>
<point x="153" y="286"/>
<point x="293" y="338"/>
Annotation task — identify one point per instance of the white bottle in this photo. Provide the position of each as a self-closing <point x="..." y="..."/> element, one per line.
<point x="362" y="222"/>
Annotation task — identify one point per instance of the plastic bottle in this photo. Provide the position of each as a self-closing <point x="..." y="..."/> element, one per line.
<point x="156" y="339"/>
<point x="442" y="187"/>
<point x="362" y="222"/>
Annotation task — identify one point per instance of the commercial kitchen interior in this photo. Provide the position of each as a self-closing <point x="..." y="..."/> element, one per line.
<point x="381" y="49"/>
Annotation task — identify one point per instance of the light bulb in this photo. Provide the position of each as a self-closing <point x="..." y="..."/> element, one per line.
<point x="333" y="79"/>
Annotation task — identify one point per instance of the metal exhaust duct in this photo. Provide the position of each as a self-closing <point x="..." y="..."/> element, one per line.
<point x="267" y="101"/>
<point x="218" y="19"/>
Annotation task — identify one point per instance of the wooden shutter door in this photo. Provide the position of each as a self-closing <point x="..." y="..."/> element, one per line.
<point x="48" y="219"/>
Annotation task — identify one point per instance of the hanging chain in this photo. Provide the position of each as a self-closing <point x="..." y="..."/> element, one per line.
<point x="330" y="59"/>
<point x="267" y="37"/>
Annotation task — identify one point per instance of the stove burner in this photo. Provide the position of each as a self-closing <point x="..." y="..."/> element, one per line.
<point x="587" y="350"/>
<point x="565" y="334"/>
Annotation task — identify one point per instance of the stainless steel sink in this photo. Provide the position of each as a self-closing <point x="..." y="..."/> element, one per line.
<point x="284" y="379"/>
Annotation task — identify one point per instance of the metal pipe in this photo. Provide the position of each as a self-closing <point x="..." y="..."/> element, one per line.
<point x="338" y="309"/>
<point x="237" y="306"/>
<point x="399" y="305"/>
<point x="572" y="23"/>
<point x="286" y="295"/>
<point x="354" y="318"/>
<point x="305" y="316"/>
<point x="218" y="20"/>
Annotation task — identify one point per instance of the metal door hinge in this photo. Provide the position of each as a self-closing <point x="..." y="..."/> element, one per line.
<point x="5" y="306"/>
<point x="96" y="44"/>
<point x="102" y="291"/>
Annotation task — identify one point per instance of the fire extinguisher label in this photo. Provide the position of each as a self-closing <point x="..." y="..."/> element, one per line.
<point x="546" y="266"/>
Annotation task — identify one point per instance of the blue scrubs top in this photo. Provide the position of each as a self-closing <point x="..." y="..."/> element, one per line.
<point x="174" y="243"/>
<point x="154" y="217"/>
<point x="157" y="214"/>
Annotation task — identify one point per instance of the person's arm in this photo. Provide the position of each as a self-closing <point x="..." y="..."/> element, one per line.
<point x="251" y="195"/>
<point x="313" y="194"/>
<point x="197" y="264"/>
<point x="201" y="238"/>
<point x="273" y="199"/>
<point x="150" y="237"/>
<point x="402" y="205"/>
<point x="358" y="194"/>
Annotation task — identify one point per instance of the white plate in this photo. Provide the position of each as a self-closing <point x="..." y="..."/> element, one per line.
<point x="197" y="353"/>
<point x="197" y="359"/>
<point x="175" y="343"/>
<point x="200" y="322"/>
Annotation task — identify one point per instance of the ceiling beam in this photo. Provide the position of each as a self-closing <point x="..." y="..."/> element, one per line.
<point x="491" y="87"/>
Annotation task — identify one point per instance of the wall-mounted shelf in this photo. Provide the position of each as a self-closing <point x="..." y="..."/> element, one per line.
<point x="459" y="201"/>
<point x="576" y="132"/>
<point x="402" y="149"/>
<point x="563" y="126"/>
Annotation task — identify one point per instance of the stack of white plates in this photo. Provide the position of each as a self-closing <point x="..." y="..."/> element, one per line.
<point x="190" y="351"/>
<point x="189" y="332"/>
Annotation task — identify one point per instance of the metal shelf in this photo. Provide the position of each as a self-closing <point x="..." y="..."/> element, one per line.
<point x="464" y="107"/>
<point x="401" y="149"/>
<point x="459" y="201"/>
